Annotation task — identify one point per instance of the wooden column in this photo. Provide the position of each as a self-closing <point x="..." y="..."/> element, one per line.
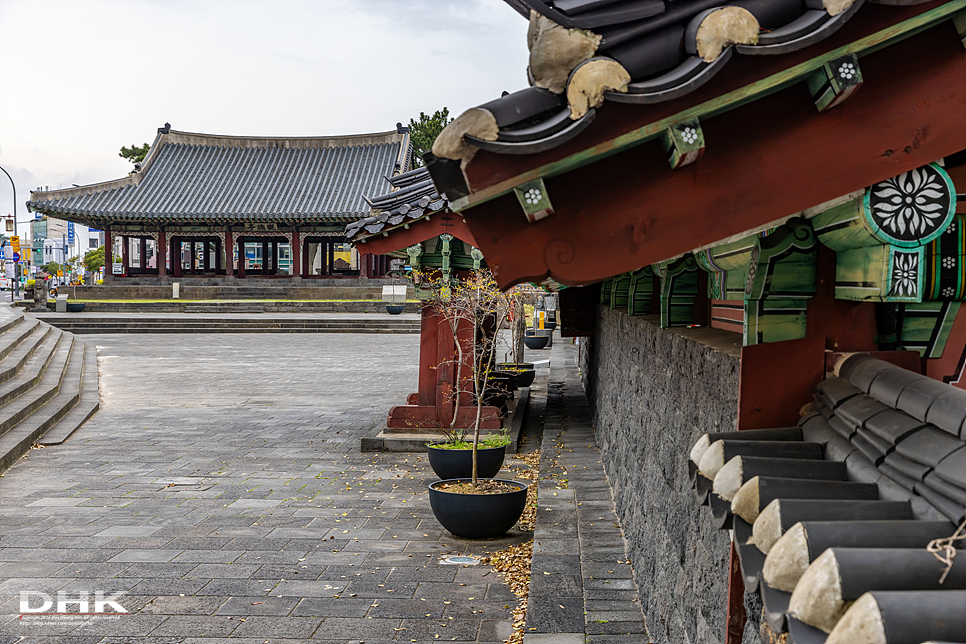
<point x="176" y="256"/>
<point x="217" y="255"/>
<point x="108" y="255"/>
<point x="296" y="255"/>
<point x="144" y="253"/>
<point x="364" y="262"/>
<point x="162" y="254"/>
<point x="125" y="253"/>
<point x="229" y="254"/>
<point x="241" y="257"/>
<point x="330" y="247"/>
<point x="206" y="255"/>
<point x="306" y="265"/>
<point x="264" y="257"/>
<point x="274" y="257"/>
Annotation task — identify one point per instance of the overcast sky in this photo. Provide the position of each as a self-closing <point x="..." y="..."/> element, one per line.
<point x="81" y="78"/>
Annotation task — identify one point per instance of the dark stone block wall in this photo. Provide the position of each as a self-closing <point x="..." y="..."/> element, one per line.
<point x="653" y="393"/>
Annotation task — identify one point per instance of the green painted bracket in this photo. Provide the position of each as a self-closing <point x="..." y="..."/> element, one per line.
<point x="640" y="291"/>
<point x="620" y="287"/>
<point x="781" y="279"/>
<point x="834" y="81"/>
<point x="683" y="143"/>
<point x="534" y="199"/>
<point x="679" y="288"/>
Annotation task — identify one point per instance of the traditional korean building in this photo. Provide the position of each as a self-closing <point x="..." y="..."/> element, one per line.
<point x="415" y="222"/>
<point x="736" y="198"/>
<point x="230" y="207"/>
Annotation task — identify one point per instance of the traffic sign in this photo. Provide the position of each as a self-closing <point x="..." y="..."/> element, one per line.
<point x="15" y="243"/>
<point x="60" y="273"/>
<point x="1" y="254"/>
<point x="16" y="257"/>
<point x="70" y="232"/>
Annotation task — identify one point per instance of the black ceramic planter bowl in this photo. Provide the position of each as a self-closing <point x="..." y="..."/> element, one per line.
<point x="395" y="309"/>
<point x="75" y="307"/>
<point x="458" y="463"/>
<point x="478" y="516"/>
<point x="523" y="372"/>
<point x="536" y="341"/>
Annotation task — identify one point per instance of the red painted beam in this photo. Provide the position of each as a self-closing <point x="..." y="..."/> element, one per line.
<point x="766" y="160"/>
<point x="418" y="231"/>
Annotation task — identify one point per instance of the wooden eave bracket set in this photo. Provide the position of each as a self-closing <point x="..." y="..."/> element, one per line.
<point x="727" y="134"/>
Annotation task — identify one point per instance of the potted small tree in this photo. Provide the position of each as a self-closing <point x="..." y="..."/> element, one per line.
<point x="475" y="506"/>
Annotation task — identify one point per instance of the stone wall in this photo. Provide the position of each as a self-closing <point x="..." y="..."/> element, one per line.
<point x="652" y="393"/>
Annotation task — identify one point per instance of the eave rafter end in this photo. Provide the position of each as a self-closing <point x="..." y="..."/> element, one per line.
<point x="683" y="142"/>
<point x="534" y="199"/>
<point x="834" y="82"/>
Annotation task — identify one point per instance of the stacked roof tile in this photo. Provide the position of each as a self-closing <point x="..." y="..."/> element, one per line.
<point x="201" y="177"/>
<point x="832" y="518"/>
<point x="414" y="196"/>
<point x="659" y="45"/>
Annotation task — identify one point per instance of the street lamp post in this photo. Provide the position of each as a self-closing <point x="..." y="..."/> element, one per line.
<point x="16" y="267"/>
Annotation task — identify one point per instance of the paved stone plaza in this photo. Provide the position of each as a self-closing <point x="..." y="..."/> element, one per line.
<point x="222" y="489"/>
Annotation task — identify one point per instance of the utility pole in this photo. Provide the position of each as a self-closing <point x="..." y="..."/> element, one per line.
<point x="15" y="291"/>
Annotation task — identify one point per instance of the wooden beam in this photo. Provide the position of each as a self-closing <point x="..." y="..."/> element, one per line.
<point x="908" y="114"/>
<point x="876" y="28"/>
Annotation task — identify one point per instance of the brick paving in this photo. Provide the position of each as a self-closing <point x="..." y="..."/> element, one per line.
<point x="582" y="589"/>
<point x="221" y="488"/>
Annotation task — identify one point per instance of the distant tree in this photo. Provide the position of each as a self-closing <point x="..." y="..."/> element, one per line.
<point x="51" y="268"/>
<point x="135" y="153"/>
<point x="94" y="259"/>
<point x="423" y="132"/>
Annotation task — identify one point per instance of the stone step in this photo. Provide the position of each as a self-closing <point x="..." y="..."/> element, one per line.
<point x="15" y="361"/>
<point x="65" y="393"/>
<point x="47" y="387"/>
<point x="88" y="404"/>
<point x="240" y="329"/>
<point x="32" y="372"/>
<point x="14" y="333"/>
<point x="9" y="317"/>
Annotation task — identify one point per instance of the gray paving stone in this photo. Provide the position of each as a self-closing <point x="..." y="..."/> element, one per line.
<point x="257" y="473"/>
<point x="278" y="627"/>
<point x="337" y="628"/>
<point x="332" y="607"/>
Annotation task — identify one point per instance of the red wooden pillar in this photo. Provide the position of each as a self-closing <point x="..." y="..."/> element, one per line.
<point x="306" y="268"/>
<point x="330" y="265"/>
<point x="275" y="256"/>
<point x="176" y="256"/>
<point x="229" y="254"/>
<point x="428" y="361"/>
<point x="125" y="253"/>
<point x="296" y="255"/>
<point x="144" y="253"/>
<point x="217" y="243"/>
<point x="161" y="254"/>
<point x="241" y="257"/>
<point x="205" y="255"/>
<point x="364" y="262"/>
<point x="192" y="266"/>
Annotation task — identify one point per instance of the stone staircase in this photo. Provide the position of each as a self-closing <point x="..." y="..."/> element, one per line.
<point x="190" y="323"/>
<point x="48" y="384"/>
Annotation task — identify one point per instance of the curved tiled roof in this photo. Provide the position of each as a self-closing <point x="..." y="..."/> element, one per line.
<point x="415" y="196"/>
<point x="657" y="44"/>
<point x="844" y="505"/>
<point x="202" y="177"/>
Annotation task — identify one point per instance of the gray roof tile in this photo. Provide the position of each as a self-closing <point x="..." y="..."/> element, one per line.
<point x="200" y="177"/>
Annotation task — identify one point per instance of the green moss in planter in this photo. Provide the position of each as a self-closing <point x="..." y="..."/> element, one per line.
<point x="485" y="443"/>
